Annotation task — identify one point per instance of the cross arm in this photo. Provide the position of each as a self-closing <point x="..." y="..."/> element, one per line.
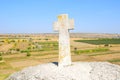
<point x="71" y="24"/>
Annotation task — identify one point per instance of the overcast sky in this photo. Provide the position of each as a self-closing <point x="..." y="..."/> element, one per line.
<point x="37" y="16"/>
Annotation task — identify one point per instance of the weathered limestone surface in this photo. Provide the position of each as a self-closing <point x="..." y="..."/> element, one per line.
<point x="63" y="25"/>
<point x="78" y="71"/>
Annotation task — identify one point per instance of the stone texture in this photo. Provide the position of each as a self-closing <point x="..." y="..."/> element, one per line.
<point x="63" y="25"/>
<point x="77" y="71"/>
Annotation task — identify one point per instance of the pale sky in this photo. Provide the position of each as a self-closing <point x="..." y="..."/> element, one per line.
<point x="37" y="16"/>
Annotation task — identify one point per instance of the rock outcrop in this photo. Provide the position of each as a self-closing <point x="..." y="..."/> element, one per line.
<point x="77" y="71"/>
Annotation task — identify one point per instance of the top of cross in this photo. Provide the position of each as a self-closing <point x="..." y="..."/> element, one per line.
<point x="63" y="20"/>
<point x="63" y="17"/>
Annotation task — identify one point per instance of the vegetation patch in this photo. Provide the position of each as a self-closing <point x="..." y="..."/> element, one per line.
<point x="4" y="76"/>
<point x="28" y="53"/>
<point x="114" y="60"/>
<point x="44" y="54"/>
<point x="108" y="52"/>
<point x="91" y="50"/>
<point x="1" y="56"/>
<point x="101" y="41"/>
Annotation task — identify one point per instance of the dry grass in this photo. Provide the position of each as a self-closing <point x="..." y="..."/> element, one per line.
<point x="18" y="61"/>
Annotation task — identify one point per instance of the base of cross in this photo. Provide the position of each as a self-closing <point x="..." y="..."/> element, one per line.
<point x="65" y="61"/>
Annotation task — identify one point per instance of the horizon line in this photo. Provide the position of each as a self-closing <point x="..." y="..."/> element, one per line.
<point x="58" y="33"/>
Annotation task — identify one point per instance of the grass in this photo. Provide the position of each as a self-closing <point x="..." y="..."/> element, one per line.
<point x="54" y="53"/>
<point x="100" y="41"/>
<point x="48" y="42"/>
<point x="16" y="58"/>
<point x="5" y="67"/>
<point x="49" y="45"/>
<point x="1" y="58"/>
<point x="91" y="50"/>
<point x="114" y="60"/>
<point x="3" y="76"/>
<point x="48" y="51"/>
<point x="105" y="53"/>
<point x="28" y="54"/>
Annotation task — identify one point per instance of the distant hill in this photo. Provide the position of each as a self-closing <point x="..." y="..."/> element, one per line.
<point x="73" y="35"/>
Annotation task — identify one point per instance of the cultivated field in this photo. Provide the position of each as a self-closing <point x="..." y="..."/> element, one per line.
<point x="20" y="51"/>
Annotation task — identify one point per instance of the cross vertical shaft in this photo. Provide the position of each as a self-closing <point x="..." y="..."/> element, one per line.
<point x="63" y="25"/>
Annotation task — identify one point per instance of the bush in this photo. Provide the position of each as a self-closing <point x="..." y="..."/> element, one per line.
<point x="28" y="53"/>
<point x="75" y="49"/>
<point x="0" y="53"/>
<point x="17" y="49"/>
<point x="24" y="51"/>
<point x="29" y="48"/>
<point x="1" y="58"/>
<point x="106" y="45"/>
<point x="46" y="39"/>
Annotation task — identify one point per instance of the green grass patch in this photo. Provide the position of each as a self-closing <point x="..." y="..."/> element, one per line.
<point x="91" y="50"/>
<point x="114" y="60"/>
<point x="104" y="53"/>
<point x="49" y="42"/>
<point x="4" y="76"/>
<point x="28" y="54"/>
<point x="44" y="54"/>
<point x="1" y="58"/>
<point x="101" y="41"/>
<point x="49" y="45"/>
<point x="45" y="46"/>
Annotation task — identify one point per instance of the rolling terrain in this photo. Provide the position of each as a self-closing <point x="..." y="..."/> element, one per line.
<point x="18" y="51"/>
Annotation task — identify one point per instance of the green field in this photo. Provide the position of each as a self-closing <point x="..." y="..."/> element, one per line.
<point x="100" y="41"/>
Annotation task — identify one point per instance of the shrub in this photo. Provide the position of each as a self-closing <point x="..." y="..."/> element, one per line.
<point x="28" y="53"/>
<point x="46" y="39"/>
<point x="106" y="45"/>
<point x="24" y="51"/>
<point x="29" y="48"/>
<point x="17" y="49"/>
<point x="12" y="41"/>
<point x="0" y="53"/>
<point x="75" y="49"/>
<point x="1" y="58"/>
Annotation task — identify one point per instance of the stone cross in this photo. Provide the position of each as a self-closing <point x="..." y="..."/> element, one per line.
<point x="63" y="25"/>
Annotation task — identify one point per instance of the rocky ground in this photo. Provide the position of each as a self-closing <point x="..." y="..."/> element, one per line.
<point x="77" y="71"/>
